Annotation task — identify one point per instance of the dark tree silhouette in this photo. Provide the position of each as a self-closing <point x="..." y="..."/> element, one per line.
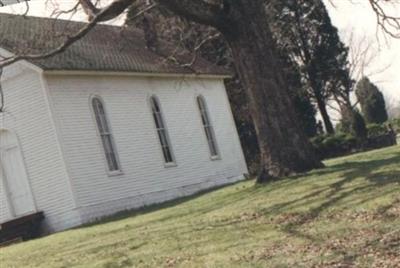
<point x="371" y="101"/>
<point x="304" y="31"/>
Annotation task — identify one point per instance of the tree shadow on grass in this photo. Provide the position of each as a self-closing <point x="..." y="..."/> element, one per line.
<point x="354" y="170"/>
<point x="362" y="167"/>
<point x="384" y="177"/>
<point x="342" y="189"/>
<point x="333" y="193"/>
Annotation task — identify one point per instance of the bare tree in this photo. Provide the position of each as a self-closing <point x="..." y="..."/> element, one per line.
<point x="364" y="57"/>
<point x="387" y="22"/>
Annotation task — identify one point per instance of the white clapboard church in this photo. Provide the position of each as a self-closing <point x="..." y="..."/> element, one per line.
<point x="107" y="125"/>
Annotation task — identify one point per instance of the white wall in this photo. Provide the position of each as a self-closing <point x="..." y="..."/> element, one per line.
<point x="27" y="114"/>
<point x="145" y="179"/>
<point x="5" y="210"/>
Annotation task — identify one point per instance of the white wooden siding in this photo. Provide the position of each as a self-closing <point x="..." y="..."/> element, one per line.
<point x="27" y="114"/>
<point x="5" y="210"/>
<point x="144" y="179"/>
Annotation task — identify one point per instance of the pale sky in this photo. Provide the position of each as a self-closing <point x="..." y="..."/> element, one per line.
<point x="349" y="16"/>
<point x="357" y="16"/>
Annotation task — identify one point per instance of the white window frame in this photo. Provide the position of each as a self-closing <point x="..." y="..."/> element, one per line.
<point x="109" y="133"/>
<point x="164" y="131"/>
<point x="208" y="129"/>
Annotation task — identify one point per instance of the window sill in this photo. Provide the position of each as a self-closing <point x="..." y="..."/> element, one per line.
<point x="170" y="165"/>
<point x="215" y="158"/>
<point x="115" y="173"/>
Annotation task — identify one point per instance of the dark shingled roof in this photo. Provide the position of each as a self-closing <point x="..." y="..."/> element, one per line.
<point x="104" y="48"/>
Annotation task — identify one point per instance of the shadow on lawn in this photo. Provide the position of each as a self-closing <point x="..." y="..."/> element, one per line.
<point x="354" y="169"/>
<point x="333" y="193"/>
<point x="322" y="198"/>
<point x="339" y="190"/>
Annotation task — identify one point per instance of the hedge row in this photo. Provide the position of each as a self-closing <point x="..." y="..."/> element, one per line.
<point x="379" y="136"/>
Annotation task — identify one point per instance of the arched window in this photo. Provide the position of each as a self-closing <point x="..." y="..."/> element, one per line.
<point x="161" y="130"/>
<point x="105" y="134"/>
<point x="208" y="128"/>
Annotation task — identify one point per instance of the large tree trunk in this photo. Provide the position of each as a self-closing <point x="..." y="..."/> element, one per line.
<point x="285" y="149"/>
<point x="317" y="92"/>
<point x="324" y="114"/>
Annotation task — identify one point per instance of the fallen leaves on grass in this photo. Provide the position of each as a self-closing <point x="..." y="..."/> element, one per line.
<point x="371" y="246"/>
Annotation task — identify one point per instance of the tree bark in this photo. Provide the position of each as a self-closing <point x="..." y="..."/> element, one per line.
<point x="324" y="113"/>
<point x="284" y="147"/>
<point x="319" y="98"/>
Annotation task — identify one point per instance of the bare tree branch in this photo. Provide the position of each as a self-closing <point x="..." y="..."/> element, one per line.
<point x="198" y="47"/>
<point x="364" y="58"/>
<point x="116" y="8"/>
<point x="89" y="8"/>
<point x="197" y="10"/>
<point x="107" y="13"/>
<point x="387" y="23"/>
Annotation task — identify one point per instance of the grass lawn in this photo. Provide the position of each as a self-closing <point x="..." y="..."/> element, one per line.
<point x="346" y="215"/>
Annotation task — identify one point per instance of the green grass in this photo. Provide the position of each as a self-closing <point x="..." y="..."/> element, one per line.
<point x="346" y="215"/>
